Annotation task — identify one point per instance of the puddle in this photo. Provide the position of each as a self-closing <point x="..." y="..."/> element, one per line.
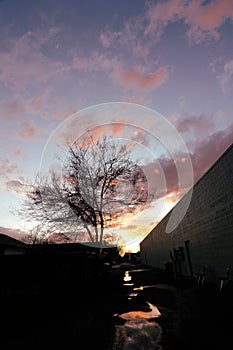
<point x="127" y="277"/>
<point x="156" y="286"/>
<point x="152" y="312"/>
<point x="138" y="329"/>
<point x="145" y="287"/>
<point x="140" y="270"/>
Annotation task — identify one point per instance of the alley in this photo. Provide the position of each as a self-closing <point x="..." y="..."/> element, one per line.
<point x="157" y="312"/>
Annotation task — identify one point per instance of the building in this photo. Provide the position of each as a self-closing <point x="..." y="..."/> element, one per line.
<point x="203" y="241"/>
<point x="11" y="246"/>
<point x="31" y="266"/>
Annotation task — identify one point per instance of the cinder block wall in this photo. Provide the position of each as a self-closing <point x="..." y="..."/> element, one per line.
<point x="207" y="227"/>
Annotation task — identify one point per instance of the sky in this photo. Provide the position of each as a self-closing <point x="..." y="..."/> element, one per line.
<point x="164" y="67"/>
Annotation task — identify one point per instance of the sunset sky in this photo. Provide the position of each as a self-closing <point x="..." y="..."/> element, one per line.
<point x="59" y="58"/>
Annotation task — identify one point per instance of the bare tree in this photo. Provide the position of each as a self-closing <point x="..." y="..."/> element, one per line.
<point x="99" y="184"/>
<point x="37" y="235"/>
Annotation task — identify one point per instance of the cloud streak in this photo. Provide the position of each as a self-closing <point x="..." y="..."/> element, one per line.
<point x="23" y="64"/>
<point x="7" y="168"/>
<point x="137" y="79"/>
<point x="20" y="106"/>
<point x="16" y="186"/>
<point x="195" y="125"/>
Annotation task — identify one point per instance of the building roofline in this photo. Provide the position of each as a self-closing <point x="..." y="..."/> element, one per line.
<point x="213" y="165"/>
<point x="193" y="187"/>
<point x="8" y="240"/>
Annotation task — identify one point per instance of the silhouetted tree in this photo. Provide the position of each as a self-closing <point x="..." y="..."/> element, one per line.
<point x="99" y="183"/>
<point x="37" y="235"/>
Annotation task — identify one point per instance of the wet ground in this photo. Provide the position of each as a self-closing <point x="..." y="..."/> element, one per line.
<point x="135" y="308"/>
<point x="158" y="312"/>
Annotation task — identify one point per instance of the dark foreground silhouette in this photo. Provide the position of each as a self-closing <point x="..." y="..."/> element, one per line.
<point x="74" y="311"/>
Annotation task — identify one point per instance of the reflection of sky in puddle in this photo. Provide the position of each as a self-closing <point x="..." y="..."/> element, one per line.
<point x="156" y="286"/>
<point x="138" y="332"/>
<point x="127" y="276"/>
<point x="138" y="288"/>
<point x="131" y="315"/>
<point x="145" y="287"/>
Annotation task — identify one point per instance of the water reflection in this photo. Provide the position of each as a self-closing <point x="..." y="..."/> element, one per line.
<point x="140" y="331"/>
<point x="127" y="276"/>
<point x="141" y="270"/>
<point x="138" y="288"/>
<point x="151" y="313"/>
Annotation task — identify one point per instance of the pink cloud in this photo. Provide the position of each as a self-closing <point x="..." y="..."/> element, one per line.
<point x="57" y="114"/>
<point x="198" y="129"/>
<point x="19" y="105"/>
<point x="20" y="153"/>
<point x="136" y="79"/>
<point x="203" y="20"/>
<point x="114" y="129"/>
<point x="16" y="186"/>
<point x="95" y="62"/>
<point x="140" y="100"/>
<point x="131" y="227"/>
<point x="25" y="64"/>
<point x="28" y="131"/>
<point x="163" y="169"/>
<point x="160" y="14"/>
<point x="108" y="37"/>
<point x="205" y="153"/>
<point x="7" y="168"/>
<point x="194" y="125"/>
<point x="80" y="63"/>
<point x="24" y="130"/>
<point x="209" y="149"/>
<point x="161" y="177"/>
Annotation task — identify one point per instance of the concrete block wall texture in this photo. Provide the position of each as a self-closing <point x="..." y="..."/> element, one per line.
<point x="206" y="232"/>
